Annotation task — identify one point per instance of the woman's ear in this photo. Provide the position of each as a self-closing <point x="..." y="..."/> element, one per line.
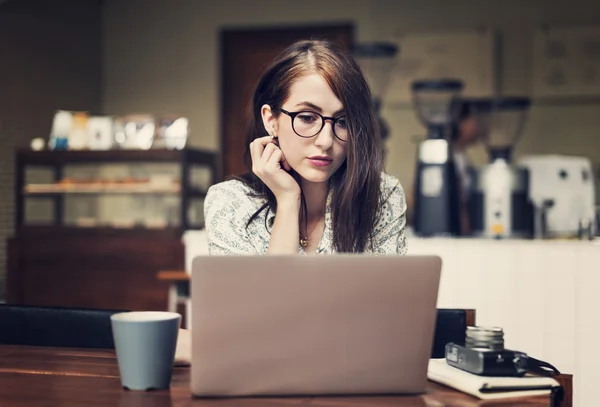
<point x="269" y="120"/>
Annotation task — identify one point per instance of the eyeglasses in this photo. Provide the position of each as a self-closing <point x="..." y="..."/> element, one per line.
<point x="307" y="124"/>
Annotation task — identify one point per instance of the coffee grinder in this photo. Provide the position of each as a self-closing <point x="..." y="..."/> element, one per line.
<point x="436" y="188"/>
<point x="377" y="61"/>
<point x="499" y="204"/>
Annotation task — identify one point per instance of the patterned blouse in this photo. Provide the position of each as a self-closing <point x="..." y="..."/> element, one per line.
<point x="229" y="205"/>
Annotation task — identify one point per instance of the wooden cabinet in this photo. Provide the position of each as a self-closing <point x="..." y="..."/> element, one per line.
<point x="58" y="263"/>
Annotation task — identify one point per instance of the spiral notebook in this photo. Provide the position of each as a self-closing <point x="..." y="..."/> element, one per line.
<point x="488" y="388"/>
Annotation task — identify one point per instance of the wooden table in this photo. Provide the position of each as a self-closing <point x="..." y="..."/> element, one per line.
<point x="34" y="376"/>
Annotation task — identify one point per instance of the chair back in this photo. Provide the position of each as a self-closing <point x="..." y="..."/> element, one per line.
<point x="451" y="326"/>
<point x="55" y="326"/>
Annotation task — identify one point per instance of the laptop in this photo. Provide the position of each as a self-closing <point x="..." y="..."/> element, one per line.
<point x="341" y="324"/>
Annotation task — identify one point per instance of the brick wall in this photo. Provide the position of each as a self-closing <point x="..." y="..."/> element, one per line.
<point x="50" y="58"/>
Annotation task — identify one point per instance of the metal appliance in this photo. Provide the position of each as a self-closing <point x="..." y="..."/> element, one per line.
<point x="563" y="192"/>
<point x="436" y="188"/>
<point x="499" y="204"/>
<point x="377" y="61"/>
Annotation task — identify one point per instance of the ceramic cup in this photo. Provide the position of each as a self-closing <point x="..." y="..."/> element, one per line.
<point x="145" y="342"/>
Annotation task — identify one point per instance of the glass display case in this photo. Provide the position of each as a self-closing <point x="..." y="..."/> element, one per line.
<point x="114" y="189"/>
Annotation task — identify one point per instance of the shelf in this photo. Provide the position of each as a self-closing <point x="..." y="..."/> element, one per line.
<point x="49" y="190"/>
<point x="87" y="189"/>
<point x="187" y="193"/>
<point x="54" y="158"/>
<point x="43" y="231"/>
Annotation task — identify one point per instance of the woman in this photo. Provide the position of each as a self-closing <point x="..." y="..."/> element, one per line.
<point x="314" y="160"/>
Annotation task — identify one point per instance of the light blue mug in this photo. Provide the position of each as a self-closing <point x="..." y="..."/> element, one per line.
<point x="145" y="342"/>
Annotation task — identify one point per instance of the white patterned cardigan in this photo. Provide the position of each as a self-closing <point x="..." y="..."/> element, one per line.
<point x="229" y="205"/>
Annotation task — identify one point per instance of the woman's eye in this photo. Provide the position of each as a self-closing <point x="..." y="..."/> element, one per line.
<point x="307" y="117"/>
<point x="341" y="122"/>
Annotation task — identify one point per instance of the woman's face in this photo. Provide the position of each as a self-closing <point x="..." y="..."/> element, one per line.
<point x="317" y="158"/>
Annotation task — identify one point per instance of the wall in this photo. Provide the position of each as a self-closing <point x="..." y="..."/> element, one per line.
<point x="163" y="56"/>
<point x="50" y="59"/>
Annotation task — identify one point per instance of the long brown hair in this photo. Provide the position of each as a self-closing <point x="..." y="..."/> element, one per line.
<point x="356" y="184"/>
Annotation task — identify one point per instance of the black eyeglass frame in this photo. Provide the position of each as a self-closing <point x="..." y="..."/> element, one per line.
<point x="293" y="115"/>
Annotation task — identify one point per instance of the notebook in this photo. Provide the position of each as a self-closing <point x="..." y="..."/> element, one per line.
<point x="488" y="388"/>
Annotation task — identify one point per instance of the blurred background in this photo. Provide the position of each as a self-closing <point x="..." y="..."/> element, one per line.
<point x="199" y="59"/>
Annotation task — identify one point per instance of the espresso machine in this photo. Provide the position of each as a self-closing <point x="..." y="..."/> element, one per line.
<point x="436" y="188"/>
<point x="563" y="193"/>
<point x="499" y="202"/>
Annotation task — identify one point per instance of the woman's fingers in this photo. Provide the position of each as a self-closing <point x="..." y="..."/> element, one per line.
<point x="255" y="152"/>
<point x="268" y="152"/>
<point x="258" y="145"/>
<point x="281" y="161"/>
<point x="275" y="160"/>
<point x="268" y="162"/>
<point x="257" y="148"/>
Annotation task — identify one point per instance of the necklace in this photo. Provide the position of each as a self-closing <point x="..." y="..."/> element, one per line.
<point x="303" y="241"/>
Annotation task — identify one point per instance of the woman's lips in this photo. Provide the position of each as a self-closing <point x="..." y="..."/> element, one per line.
<point x="320" y="161"/>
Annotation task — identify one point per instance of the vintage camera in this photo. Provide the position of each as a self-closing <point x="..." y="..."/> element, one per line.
<point x="484" y="354"/>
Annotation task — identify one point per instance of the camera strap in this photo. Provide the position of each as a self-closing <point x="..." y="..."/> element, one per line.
<point x="540" y="368"/>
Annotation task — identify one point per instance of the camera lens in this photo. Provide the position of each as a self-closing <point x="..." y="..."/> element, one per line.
<point x="485" y="338"/>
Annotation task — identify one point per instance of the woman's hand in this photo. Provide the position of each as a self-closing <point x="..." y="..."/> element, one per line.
<point x="269" y="164"/>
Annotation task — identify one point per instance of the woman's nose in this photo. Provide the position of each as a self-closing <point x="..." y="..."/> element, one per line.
<point x="325" y="137"/>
